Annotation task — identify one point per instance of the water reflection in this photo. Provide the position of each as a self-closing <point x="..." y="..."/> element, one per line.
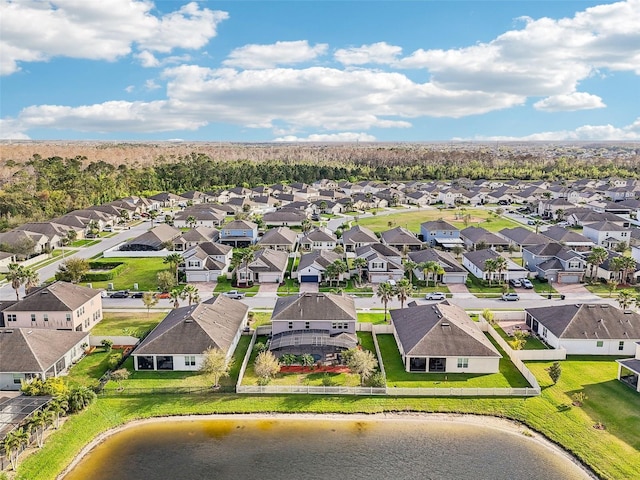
<point x="308" y="449"/>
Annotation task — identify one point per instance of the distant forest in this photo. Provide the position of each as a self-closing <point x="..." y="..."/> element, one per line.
<point x="41" y="188"/>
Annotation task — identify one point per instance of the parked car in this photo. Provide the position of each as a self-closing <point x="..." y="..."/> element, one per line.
<point x="120" y="294"/>
<point x="234" y="294"/>
<point x="514" y="282"/>
<point x="435" y="296"/>
<point x="510" y="297"/>
<point x="526" y="283"/>
<point x="163" y="295"/>
<point x="315" y="217"/>
<point x="137" y="294"/>
<point x="531" y="222"/>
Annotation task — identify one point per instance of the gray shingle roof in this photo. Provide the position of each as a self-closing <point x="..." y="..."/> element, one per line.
<point x="315" y="306"/>
<point x="443" y="258"/>
<point x="560" y="234"/>
<point x="585" y="321"/>
<point x="279" y="236"/>
<point x="322" y="257"/>
<point x="358" y="234"/>
<point x="57" y="297"/>
<point x="437" y="225"/>
<point x="30" y="350"/>
<point x="156" y="237"/>
<point x="193" y="329"/>
<point x="522" y="236"/>
<point x="400" y="236"/>
<point x="318" y="235"/>
<point x="479" y="234"/>
<point x="440" y="330"/>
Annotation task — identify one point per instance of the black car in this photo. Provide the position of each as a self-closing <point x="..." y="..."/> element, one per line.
<point x="137" y="294"/>
<point x="120" y="294"/>
<point x="315" y="217"/>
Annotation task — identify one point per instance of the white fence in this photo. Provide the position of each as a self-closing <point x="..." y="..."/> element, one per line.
<point x="549" y="354"/>
<point x="113" y="252"/>
<point x="463" y="392"/>
<point x="245" y="361"/>
<point x="96" y="340"/>
<point x="310" y="390"/>
<point x="33" y="260"/>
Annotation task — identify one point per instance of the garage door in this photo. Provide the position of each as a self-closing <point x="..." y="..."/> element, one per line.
<point x="309" y="278"/>
<point x="570" y="279"/>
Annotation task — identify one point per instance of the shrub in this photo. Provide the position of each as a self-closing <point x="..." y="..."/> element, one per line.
<point x="377" y="380"/>
<point x="110" y="270"/>
<point x="259" y="347"/>
<point x="107" y="344"/>
<point x="288" y="359"/>
<point x="327" y="380"/>
<point x="306" y="360"/>
<point x="554" y="372"/>
<point x="114" y="360"/>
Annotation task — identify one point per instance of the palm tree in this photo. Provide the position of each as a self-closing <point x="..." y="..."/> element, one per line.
<point x="16" y="275"/>
<point x="246" y="258"/>
<point x="385" y="292"/>
<point x="12" y="444"/>
<point x="80" y="398"/>
<point x="409" y="267"/>
<point x="403" y="290"/>
<point x="191" y="293"/>
<point x="457" y="250"/>
<point x="626" y="299"/>
<point x="176" y="295"/>
<point x="537" y="224"/>
<point x="427" y="268"/>
<point x="359" y="263"/>
<point x="153" y="214"/>
<point x="596" y="258"/>
<point x="59" y="405"/>
<point x="501" y="265"/>
<point x="37" y="425"/>
<point x="340" y="268"/>
<point x="306" y="226"/>
<point x="173" y="259"/>
<point x="490" y="267"/>
<point x="31" y="279"/>
<point x="191" y="221"/>
<point x="616" y="264"/>
<point x="628" y="265"/>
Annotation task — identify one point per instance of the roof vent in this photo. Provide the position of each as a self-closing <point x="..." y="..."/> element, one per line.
<point x="604" y="305"/>
<point x="627" y="312"/>
<point x="445" y="324"/>
<point x="188" y="320"/>
<point x="591" y="306"/>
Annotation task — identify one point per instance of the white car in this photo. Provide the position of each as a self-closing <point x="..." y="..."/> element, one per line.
<point x="435" y="296"/>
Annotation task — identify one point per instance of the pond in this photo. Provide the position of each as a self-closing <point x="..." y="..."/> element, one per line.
<point x="340" y="447"/>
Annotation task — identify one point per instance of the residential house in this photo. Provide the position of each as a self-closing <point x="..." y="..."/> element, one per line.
<point x="195" y="197"/>
<point x="478" y="238"/>
<point x="453" y="271"/>
<point x="239" y="233"/>
<point x="607" y="271"/>
<point x="318" y="239"/>
<point x="629" y="370"/>
<point x="384" y="262"/>
<point x="569" y="238"/>
<point x="554" y="262"/>
<point x="440" y="233"/>
<point x="24" y="243"/>
<point x="521" y="237"/>
<point x="200" y="216"/>
<point x="442" y="338"/>
<point x="6" y="259"/>
<point x="554" y="209"/>
<point x="207" y="261"/>
<point x="284" y="217"/>
<point x="280" y="238"/>
<point x="419" y="198"/>
<point x="58" y="306"/>
<point x="167" y="200"/>
<point x="401" y="239"/>
<point x="179" y="342"/>
<point x="475" y="263"/>
<point x="29" y="353"/>
<point x="267" y="266"/>
<point x="356" y="237"/>
<point x="313" y="265"/>
<point x="586" y="329"/>
<point x="155" y="239"/>
<point x="607" y="234"/>
<point x="318" y="324"/>
<point x="585" y="216"/>
<point x="194" y="237"/>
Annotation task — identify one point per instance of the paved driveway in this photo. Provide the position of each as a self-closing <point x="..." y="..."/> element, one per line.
<point x="309" y="287"/>
<point x="574" y="288"/>
<point x="268" y="290"/>
<point x="457" y="288"/>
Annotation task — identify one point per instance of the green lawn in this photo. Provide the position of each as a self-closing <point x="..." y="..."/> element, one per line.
<point x="532" y="342"/>
<point x="611" y="453"/>
<point x="143" y="271"/>
<point x="602" y="289"/>
<point x="260" y="318"/>
<point x="114" y="323"/>
<point x="542" y="287"/>
<point x="375" y="318"/>
<point x="86" y="242"/>
<point x="366" y="341"/>
<point x="225" y="285"/>
<point x="90" y="368"/>
<point x="508" y="376"/>
<point x="412" y="220"/>
<point x="290" y="286"/>
<point x="476" y="285"/>
<point x="347" y="286"/>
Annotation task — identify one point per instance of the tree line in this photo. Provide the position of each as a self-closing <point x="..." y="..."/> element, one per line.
<point x="43" y="188"/>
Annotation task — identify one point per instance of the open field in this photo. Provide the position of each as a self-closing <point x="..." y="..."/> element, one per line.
<point x="115" y="323"/>
<point x="411" y="220"/>
<point x="143" y="271"/>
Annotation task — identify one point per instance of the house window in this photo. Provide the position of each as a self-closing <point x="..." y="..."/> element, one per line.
<point x="377" y="265"/>
<point x="544" y="331"/>
<point x="45" y="317"/>
<point x="17" y="377"/>
<point x="621" y="345"/>
<point x="12" y="317"/>
<point x="33" y="317"/>
<point x="599" y="343"/>
<point x="307" y="325"/>
<point x="290" y="325"/>
<point x="68" y="317"/>
<point x="190" y="361"/>
<point x="463" y="363"/>
<point x="193" y="263"/>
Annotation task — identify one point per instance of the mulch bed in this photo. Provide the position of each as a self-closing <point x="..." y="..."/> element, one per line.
<point x="321" y="369"/>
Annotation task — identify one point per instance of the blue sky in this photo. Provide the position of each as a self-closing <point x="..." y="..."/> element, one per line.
<point x="261" y="71"/>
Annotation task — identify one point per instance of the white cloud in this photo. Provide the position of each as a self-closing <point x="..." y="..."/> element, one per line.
<point x="147" y="59"/>
<point x="329" y="137"/>
<point x="129" y="88"/>
<point x="568" y="103"/>
<point x="151" y="85"/>
<point x="546" y="57"/>
<point x="380" y="52"/>
<point x="279" y="53"/>
<point x="98" y="30"/>
<point x="583" y="133"/>
<point x="12" y="130"/>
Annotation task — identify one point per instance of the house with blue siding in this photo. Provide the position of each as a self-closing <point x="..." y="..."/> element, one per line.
<point x="239" y="233"/>
<point x="440" y="233"/>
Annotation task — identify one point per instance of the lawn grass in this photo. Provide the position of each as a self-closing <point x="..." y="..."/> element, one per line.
<point x="375" y="318"/>
<point x="289" y="287"/>
<point x="143" y="271"/>
<point x="476" y="285"/>
<point x="366" y="341"/>
<point x="224" y="285"/>
<point x="115" y="323"/>
<point x="602" y="289"/>
<point x="347" y="286"/>
<point x="412" y="220"/>
<point x="611" y="453"/>
<point x="85" y="242"/>
<point x="508" y="376"/>
<point x="90" y="368"/>
<point x="259" y="318"/>
<point x="532" y="342"/>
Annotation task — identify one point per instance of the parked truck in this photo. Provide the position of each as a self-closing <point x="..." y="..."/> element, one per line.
<point x="235" y="294"/>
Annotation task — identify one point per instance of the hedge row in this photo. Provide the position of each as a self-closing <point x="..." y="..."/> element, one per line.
<point x="115" y="269"/>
